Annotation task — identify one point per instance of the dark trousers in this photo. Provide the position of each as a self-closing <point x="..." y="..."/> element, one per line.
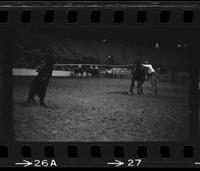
<point x="139" y="84"/>
<point x="38" y="87"/>
<point x="132" y="84"/>
<point x="153" y="81"/>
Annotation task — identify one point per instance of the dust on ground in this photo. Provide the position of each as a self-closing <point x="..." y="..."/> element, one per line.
<point x="99" y="109"/>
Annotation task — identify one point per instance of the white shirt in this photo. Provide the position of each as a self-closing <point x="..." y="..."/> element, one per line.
<point x="149" y="68"/>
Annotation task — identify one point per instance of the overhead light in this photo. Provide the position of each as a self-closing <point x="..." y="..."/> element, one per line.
<point x="104" y="40"/>
<point x="179" y="45"/>
<point x="156" y="45"/>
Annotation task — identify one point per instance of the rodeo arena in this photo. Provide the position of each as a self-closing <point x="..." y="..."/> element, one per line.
<point x="68" y="89"/>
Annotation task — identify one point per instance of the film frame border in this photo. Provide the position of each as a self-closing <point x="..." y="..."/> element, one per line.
<point x="107" y="148"/>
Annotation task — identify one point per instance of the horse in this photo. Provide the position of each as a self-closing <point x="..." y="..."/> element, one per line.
<point x="138" y="74"/>
<point x="40" y="83"/>
<point x="88" y="70"/>
<point x="94" y="71"/>
<point x="79" y="70"/>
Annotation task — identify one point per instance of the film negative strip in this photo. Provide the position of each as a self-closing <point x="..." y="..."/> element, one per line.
<point x="99" y="84"/>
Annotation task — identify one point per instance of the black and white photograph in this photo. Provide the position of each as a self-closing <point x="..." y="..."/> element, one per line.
<point x="1" y="82"/>
<point x="100" y="85"/>
<point x="1" y="97"/>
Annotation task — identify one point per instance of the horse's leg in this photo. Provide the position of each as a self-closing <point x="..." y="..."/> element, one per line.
<point x="30" y="96"/>
<point x="138" y="86"/>
<point x="156" y="88"/>
<point x="155" y="85"/>
<point x="33" y="99"/>
<point x="32" y="91"/>
<point x="141" y="90"/>
<point x="151" y="80"/>
<point x="154" y="82"/>
<point x="42" y="96"/>
<point x="132" y="85"/>
<point x="42" y="92"/>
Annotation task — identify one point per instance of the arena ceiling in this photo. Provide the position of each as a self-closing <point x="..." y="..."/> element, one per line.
<point x="156" y="45"/>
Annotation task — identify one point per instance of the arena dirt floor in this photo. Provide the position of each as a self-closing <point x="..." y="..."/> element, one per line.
<point x="86" y="109"/>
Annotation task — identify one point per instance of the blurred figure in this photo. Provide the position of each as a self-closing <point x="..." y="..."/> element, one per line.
<point x="96" y="71"/>
<point x="40" y="83"/>
<point x="158" y="72"/>
<point x="79" y="70"/>
<point x="152" y="75"/>
<point x="133" y="68"/>
<point x="91" y="71"/>
<point x="138" y="74"/>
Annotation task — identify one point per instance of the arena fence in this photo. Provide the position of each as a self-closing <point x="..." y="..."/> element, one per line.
<point x="170" y="77"/>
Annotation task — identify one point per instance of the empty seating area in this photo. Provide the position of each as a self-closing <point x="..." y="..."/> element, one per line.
<point x="70" y="50"/>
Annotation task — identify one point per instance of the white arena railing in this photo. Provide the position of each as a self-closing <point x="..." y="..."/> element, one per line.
<point x="58" y="69"/>
<point x="32" y="72"/>
<point x="62" y="73"/>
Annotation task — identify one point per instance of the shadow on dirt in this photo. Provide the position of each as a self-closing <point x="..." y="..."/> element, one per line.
<point x="126" y="93"/>
<point x="148" y="94"/>
<point x="119" y="93"/>
<point x="48" y="106"/>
